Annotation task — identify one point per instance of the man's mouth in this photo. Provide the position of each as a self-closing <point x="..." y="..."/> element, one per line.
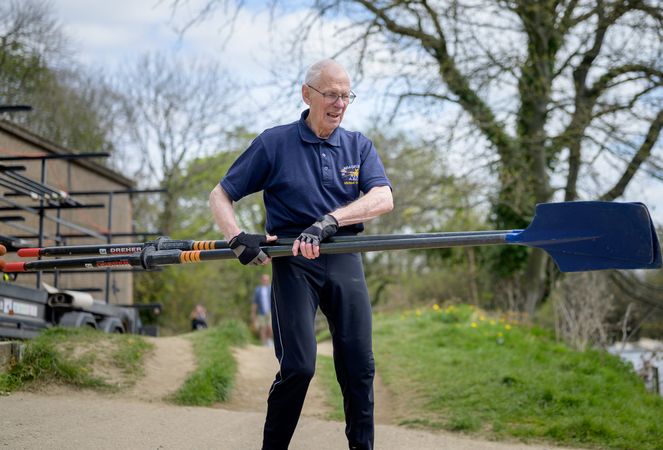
<point x="334" y="115"/>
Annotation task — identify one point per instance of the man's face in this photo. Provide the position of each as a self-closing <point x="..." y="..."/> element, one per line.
<point x="325" y="116"/>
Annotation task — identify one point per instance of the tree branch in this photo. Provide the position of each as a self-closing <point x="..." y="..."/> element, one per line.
<point x="481" y="114"/>
<point x="640" y="156"/>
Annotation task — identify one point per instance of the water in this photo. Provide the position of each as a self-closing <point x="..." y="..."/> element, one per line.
<point x="639" y="358"/>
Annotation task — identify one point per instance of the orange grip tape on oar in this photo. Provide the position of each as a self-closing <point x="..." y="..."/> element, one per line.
<point x="204" y="245"/>
<point x="191" y="256"/>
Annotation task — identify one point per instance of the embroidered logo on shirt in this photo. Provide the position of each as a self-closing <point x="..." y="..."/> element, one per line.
<point x="350" y="174"/>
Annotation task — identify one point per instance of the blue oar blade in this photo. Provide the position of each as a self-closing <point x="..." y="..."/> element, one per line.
<point x="593" y="235"/>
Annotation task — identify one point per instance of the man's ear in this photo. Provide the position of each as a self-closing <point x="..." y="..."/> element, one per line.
<point x="306" y="94"/>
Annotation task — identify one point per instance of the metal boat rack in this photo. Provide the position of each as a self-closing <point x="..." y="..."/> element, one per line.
<point x="24" y="195"/>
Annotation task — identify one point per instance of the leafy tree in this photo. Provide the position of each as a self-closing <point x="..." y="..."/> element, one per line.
<point x="70" y="107"/>
<point x="224" y="287"/>
<point x="428" y="198"/>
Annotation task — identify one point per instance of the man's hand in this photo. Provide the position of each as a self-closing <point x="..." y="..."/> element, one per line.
<point x="247" y="248"/>
<point x="309" y="241"/>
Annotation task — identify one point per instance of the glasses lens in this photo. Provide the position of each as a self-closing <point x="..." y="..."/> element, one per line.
<point x="333" y="98"/>
<point x="345" y="98"/>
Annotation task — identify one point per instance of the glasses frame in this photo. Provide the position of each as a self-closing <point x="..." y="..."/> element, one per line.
<point x="351" y="96"/>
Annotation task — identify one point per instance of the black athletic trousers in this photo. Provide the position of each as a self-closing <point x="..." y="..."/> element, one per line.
<point x="336" y="284"/>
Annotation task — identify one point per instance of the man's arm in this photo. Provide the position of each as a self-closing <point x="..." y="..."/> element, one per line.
<point x="376" y="202"/>
<point x="245" y="246"/>
<point x="223" y="212"/>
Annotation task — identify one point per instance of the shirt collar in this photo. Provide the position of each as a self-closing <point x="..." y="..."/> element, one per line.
<point x="307" y="135"/>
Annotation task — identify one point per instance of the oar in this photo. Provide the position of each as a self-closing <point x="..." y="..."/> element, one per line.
<point x="164" y="243"/>
<point x="579" y="236"/>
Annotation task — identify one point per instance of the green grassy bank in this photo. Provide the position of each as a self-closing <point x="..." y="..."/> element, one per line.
<point x="79" y="357"/>
<point x="457" y="369"/>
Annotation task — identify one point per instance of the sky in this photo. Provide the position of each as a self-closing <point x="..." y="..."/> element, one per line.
<point x="107" y="35"/>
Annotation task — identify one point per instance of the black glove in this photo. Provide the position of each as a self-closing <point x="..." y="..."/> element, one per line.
<point x="326" y="226"/>
<point x="247" y="248"/>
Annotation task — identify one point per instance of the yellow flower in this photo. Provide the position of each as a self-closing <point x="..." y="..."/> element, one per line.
<point x="500" y="334"/>
<point x="418" y="313"/>
<point x="482" y="318"/>
<point x="473" y="324"/>
<point x="507" y="327"/>
<point x="436" y="307"/>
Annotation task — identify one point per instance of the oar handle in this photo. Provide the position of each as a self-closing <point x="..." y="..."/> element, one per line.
<point x="107" y="249"/>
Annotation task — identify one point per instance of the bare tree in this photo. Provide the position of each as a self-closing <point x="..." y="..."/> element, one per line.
<point x="582" y="305"/>
<point x="175" y="110"/>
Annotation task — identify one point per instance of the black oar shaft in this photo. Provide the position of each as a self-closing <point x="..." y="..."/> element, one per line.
<point x="150" y="257"/>
<point x="359" y="246"/>
<point x="177" y="244"/>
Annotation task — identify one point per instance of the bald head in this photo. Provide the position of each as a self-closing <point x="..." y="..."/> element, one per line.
<point x="315" y="72"/>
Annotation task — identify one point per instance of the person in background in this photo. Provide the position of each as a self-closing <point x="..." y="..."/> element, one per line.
<point x="261" y="310"/>
<point x="198" y="318"/>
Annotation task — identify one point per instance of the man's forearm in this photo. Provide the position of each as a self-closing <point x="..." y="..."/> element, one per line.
<point x="376" y="202"/>
<point x="223" y="212"/>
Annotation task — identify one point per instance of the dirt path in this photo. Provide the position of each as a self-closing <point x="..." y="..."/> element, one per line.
<point x="165" y="370"/>
<point x="256" y="369"/>
<point x="140" y="419"/>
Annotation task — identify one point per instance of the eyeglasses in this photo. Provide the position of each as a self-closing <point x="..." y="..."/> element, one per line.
<point x="333" y="98"/>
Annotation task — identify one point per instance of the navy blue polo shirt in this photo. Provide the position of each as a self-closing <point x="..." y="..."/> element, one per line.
<point x="303" y="176"/>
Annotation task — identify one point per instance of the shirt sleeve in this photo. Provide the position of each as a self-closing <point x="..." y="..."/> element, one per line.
<point x="248" y="173"/>
<point x="371" y="172"/>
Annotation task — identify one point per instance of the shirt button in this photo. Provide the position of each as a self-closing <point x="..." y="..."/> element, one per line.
<point x="326" y="168"/>
<point x="323" y="155"/>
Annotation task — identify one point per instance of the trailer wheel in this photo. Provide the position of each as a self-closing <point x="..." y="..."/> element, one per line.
<point x="111" y="325"/>
<point x="77" y="319"/>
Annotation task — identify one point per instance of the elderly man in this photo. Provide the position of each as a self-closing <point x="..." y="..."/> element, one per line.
<point x="313" y="174"/>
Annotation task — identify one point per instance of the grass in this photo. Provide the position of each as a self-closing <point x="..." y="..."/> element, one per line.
<point x="212" y="381"/>
<point x="79" y="357"/>
<point x="459" y="370"/>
